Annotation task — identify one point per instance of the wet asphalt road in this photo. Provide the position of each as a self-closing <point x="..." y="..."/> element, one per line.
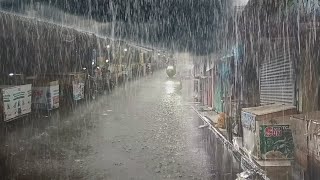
<point x="144" y="130"/>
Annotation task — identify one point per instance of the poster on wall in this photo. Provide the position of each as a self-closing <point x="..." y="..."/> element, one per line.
<point x="276" y="142"/>
<point x="248" y="120"/>
<point x="16" y="101"/>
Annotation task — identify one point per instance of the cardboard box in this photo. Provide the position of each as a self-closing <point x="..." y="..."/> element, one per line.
<point x="15" y="101"/>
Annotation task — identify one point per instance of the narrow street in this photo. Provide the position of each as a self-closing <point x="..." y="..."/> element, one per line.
<point x="143" y="130"/>
<point x="174" y="89"/>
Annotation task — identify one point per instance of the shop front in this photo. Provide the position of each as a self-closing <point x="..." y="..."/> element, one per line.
<point x="277" y="82"/>
<point x="223" y="84"/>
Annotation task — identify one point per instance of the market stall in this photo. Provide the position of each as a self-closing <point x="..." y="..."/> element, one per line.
<point x="71" y="84"/>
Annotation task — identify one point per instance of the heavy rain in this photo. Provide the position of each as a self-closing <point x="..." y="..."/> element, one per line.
<point x="160" y="89"/>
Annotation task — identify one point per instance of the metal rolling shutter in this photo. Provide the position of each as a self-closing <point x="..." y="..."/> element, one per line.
<point x="276" y="79"/>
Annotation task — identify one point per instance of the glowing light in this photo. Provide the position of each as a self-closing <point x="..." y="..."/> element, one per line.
<point x="84" y="68"/>
<point x="107" y="60"/>
<point x="125" y="50"/>
<point x="11" y="74"/>
<point x="108" y="46"/>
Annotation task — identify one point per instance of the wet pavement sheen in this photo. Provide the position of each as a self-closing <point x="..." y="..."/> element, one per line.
<point x="143" y="130"/>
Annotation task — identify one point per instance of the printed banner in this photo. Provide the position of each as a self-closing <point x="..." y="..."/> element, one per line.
<point x="248" y="121"/>
<point x="276" y="142"/>
<point x="16" y="101"/>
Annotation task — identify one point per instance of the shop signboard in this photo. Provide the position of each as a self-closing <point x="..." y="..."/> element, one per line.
<point x="276" y="142"/>
<point x="25" y="99"/>
<point x="46" y="97"/>
<point x="248" y="120"/>
<point x="16" y="101"/>
<point x="9" y="110"/>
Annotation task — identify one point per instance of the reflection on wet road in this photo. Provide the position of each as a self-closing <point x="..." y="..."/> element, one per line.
<point x="144" y="130"/>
